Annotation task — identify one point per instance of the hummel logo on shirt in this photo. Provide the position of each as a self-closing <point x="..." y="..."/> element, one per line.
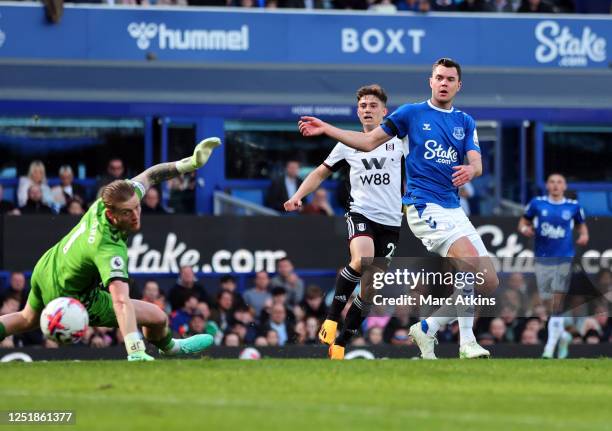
<point x="426" y="126"/>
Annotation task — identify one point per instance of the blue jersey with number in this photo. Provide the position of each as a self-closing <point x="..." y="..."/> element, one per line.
<point x="554" y="224"/>
<point x="438" y="140"/>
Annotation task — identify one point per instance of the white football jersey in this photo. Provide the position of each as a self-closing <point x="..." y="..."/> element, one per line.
<point x="375" y="179"/>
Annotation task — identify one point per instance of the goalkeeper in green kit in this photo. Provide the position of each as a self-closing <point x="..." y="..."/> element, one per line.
<point x="93" y="257"/>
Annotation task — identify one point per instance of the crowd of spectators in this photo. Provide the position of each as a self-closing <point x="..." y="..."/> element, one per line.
<point x="283" y="310"/>
<point x="34" y="195"/>
<point x="386" y="6"/>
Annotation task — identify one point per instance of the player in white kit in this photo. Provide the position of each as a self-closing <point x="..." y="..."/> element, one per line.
<point x="374" y="216"/>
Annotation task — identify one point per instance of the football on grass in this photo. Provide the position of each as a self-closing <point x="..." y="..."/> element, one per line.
<point x="64" y="320"/>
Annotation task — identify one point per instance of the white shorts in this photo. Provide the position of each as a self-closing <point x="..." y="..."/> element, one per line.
<point x="552" y="279"/>
<point x="438" y="228"/>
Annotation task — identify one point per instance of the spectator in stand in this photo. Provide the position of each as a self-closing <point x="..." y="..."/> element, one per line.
<point x="36" y="176"/>
<point x="182" y="194"/>
<point x="445" y="5"/>
<point x="287" y="278"/>
<point x="319" y="205"/>
<point x="313" y="304"/>
<point x="7" y="207"/>
<point x="473" y="6"/>
<point x="272" y="337"/>
<point x="231" y="340"/>
<point x="312" y="330"/>
<point x="179" y="319"/>
<point x="279" y="297"/>
<point x="186" y="286"/>
<point x="151" y="203"/>
<point x="152" y="294"/>
<point x="375" y="335"/>
<point x="257" y="296"/>
<point x="199" y="324"/>
<point x="409" y="5"/>
<point x="17" y="288"/>
<point x="351" y="5"/>
<point x="244" y="316"/>
<point x="563" y="6"/>
<point x="228" y="283"/>
<point x="224" y="313"/>
<point x="535" y="6"/>
<point x="75" y="208"/>
<point x="529" y="336"/>
<point x="400" y="338"/>
<point x="502" y="5"/>
<point x="114" y="171"/>
<point x="383" y="6"/>
<point x="497" y="329"/>
<point x="509" y="316"/>
<point x="35" y="204"/>
<point x="66" y="191"/>
<point x="281" y="325"/>
<point x="283" y="187"/>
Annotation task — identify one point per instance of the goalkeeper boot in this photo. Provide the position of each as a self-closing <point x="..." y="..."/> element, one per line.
<point x="425" y="343"/>
<point x="336" y="352"/>
<point x="563" y="346"/>
<point x="327" y="333"/>
<point x="195" y="343"/>
<point x="189" y="346"/>
<point x="473" y="350"/>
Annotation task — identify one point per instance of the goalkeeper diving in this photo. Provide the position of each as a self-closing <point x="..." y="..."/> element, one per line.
<point x="90" y="264"/>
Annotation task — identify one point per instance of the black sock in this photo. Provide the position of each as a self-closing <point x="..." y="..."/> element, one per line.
<point x="345" y="284"/>
<point x="354" y="318"/>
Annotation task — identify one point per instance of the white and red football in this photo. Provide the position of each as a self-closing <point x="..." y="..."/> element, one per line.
<point x="64" y="320"/>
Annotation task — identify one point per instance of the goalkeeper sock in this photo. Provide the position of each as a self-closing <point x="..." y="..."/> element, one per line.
<point x="167" y="344"/>
<point x="345" y="284"/>
<point x="2" y="331"/>
<point x="354" y="318"/>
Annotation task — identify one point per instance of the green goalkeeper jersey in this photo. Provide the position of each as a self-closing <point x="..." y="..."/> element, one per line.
<point x="94" y="253"/>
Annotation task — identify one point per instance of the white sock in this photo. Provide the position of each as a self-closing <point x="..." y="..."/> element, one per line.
<point x="555" y="329"/>
<point x="465" y="316"/>
<point x="435" y="322"/>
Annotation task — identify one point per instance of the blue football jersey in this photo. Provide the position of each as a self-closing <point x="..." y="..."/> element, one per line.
<point x="554" y="225"/>
<point x="438" y="139"/>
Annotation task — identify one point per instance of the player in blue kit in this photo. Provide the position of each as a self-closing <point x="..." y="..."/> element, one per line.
<point x="551" y="220"/>
<point x="440" y="140"/>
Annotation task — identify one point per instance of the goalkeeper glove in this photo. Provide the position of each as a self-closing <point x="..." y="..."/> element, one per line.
<point x="200" y="156"/>
<point x="135" y="347"/>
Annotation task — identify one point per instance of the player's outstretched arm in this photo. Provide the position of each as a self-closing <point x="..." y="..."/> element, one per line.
<point x="165" y="171"/>
<point x="312" y="126"/>
<point x="126" y="318"/>
<point x="309" y="185"/>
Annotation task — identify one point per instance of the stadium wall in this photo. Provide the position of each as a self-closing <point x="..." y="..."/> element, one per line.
<point x="509" y="350"/>
<point x="247" y="244"/>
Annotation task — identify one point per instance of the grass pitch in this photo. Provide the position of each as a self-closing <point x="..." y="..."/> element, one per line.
<point x="294" y="395"/>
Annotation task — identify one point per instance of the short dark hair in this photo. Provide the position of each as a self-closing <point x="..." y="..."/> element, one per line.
<point x="556" y="173"/>
<point x="227" y="278"/>
<point x="372" y="90"/>
<point x="447" y="62"/>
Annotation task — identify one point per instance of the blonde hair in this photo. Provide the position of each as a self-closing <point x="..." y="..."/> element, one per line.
<point x="37" y="164"/>
<point x="116" y="192"/>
